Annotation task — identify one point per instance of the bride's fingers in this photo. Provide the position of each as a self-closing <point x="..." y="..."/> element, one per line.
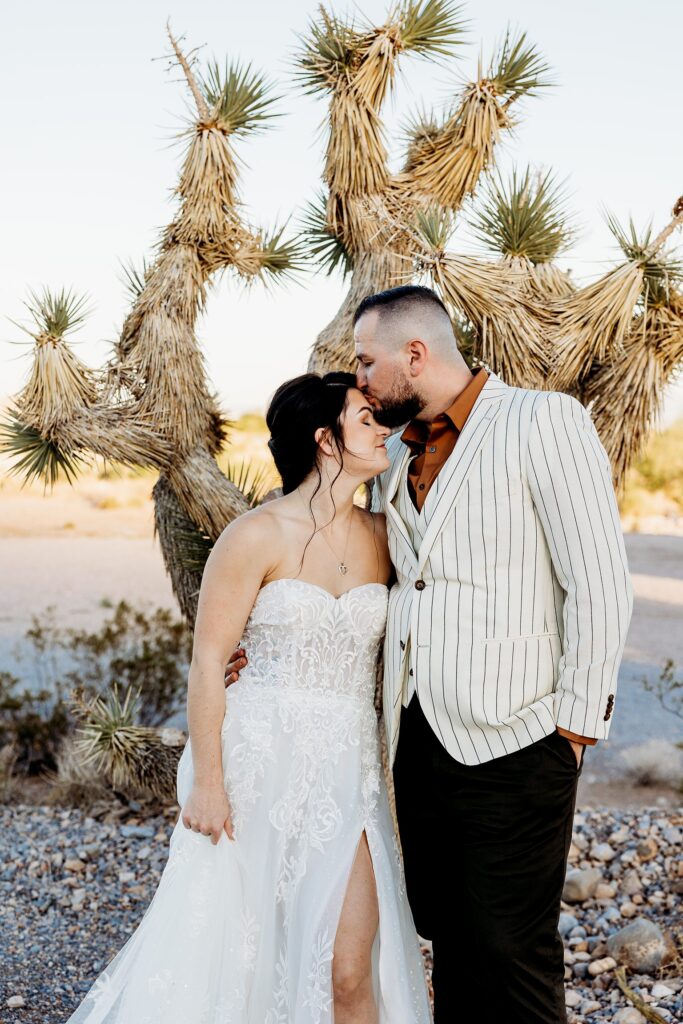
<point x="229" y="830"/>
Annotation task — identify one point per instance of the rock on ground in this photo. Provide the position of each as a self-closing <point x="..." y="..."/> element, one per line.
<point x="73" y="887"/>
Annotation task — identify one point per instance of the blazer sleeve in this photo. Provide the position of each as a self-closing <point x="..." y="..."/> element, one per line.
<point x="570" y="479"/>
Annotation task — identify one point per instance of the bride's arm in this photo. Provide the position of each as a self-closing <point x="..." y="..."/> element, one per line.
<point x="232" y="576"/>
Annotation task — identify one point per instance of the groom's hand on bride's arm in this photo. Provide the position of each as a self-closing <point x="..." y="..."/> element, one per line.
<point x="238" y="661"/>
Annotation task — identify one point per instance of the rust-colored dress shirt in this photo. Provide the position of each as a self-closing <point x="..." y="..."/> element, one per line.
<point x="432" y="443"/>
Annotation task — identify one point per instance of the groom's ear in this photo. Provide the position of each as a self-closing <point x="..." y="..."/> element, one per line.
<point x="417" y="356"/>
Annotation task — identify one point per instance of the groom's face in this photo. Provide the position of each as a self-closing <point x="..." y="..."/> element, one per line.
<point x="381" y="374"/>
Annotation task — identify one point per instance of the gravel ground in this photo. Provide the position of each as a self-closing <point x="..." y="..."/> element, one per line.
<point x="73" y="887"/>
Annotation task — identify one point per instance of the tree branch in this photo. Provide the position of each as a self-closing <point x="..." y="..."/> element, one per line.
<point x="202" y="108"/>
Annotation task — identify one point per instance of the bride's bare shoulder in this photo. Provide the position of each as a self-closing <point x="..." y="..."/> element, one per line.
<point x="267" y="526"/>
<point x="256" y="525"/>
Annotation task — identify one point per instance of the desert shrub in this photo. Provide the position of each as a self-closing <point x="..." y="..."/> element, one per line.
<point x="654" y="763"/>
<point x="32" y="723"/>
<point x="136" y="650"/>
<point x="667" y="689"/>
<point x="149" y="653"/>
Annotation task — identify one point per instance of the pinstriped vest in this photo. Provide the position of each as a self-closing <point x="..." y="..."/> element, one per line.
<point x="416" y="524"/>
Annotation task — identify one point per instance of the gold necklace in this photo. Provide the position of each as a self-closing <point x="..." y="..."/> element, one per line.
<point x="342" y="567"/>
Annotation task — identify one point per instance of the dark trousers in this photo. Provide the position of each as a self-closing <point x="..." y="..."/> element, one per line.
<point x="485" y="852"/>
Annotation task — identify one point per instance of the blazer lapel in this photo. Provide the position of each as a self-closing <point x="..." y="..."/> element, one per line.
<point x="458" y="466"/>
<point x="396" y="476"/>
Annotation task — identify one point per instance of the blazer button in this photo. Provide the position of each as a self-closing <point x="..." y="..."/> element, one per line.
<point x="420" y="584"/>
<point x="403" y="646"/>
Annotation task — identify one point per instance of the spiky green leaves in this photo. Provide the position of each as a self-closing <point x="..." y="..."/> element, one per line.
<point x="434" y="227"/>
<point x="59" y="387"/>
<point x="322" y="243"/>
<point x="663" y="273"/>
<point x="431" y="28"/>
<point x="334" y="50"/>
<point x="55" y="314"/>
<point x="134" y="278"/>
<point x="251" y="479"/>
<point x="420" y="133"/>
<point x="281" y="259"/>
<point x="37" y="457"/>
<point x="329" y="52"/>
<point x="239" y="99"/>
<point x="518" y="69"/>
<point x="525" y="216"/>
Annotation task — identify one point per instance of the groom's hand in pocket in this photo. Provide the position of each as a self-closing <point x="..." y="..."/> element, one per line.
<point x="578" y="749"/>
<point x="238" y="661"/>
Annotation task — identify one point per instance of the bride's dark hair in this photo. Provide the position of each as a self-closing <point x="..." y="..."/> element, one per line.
<point x="298" y="408"/>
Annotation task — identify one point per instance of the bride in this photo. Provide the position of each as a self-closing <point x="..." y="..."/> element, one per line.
<point x="283" y="898"/>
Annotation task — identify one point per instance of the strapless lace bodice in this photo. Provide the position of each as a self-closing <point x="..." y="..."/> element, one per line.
<point x="301" y="637"/>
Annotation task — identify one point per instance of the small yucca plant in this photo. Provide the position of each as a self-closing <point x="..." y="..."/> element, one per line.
<point x="132" y="758"/>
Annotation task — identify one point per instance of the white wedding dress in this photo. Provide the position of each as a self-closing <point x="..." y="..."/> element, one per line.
<point x="243" y="932"/>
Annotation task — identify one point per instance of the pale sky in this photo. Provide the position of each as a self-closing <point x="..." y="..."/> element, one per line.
<point x="88" y="115"/>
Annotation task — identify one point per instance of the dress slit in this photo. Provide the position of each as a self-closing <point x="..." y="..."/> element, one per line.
<point x="338" y="909"/>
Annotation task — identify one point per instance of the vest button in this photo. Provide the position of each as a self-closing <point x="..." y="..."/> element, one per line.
<point x="420" y="584"/>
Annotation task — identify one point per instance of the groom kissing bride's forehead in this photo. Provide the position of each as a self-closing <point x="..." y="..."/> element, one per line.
<point x="491" y="570"/>
<point x="506" y="627"/>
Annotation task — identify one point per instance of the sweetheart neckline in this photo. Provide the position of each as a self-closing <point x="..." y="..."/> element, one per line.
<point x="316" y="586"/>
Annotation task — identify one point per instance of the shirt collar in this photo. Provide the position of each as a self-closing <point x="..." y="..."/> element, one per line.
<point x="418" y="431"/>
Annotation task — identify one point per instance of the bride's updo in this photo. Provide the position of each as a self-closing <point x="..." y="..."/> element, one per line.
<point x="298" y="408"/>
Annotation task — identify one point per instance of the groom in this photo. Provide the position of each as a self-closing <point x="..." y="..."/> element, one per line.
<point x="505" y="631"/>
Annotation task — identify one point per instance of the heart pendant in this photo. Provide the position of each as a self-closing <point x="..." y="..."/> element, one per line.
<point x="342" y="569"/>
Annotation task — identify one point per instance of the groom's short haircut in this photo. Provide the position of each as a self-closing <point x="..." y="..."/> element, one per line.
<point x="411" y="309"/>
<point x="397" y="300"/>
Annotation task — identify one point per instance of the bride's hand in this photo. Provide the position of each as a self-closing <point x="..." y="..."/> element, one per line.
<point x="208" y="811"/>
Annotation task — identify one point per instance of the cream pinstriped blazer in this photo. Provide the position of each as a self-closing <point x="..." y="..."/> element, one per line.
<point x="513" y="597"/>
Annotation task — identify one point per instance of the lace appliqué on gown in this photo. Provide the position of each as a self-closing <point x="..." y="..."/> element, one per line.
<point x="243" y="931"/>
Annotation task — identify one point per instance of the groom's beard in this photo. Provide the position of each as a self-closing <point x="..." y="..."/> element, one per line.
<point x="400" y="406"/>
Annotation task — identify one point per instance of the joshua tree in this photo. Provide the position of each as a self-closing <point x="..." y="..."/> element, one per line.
<point x="614" y="342"/>
<point x="520" y="313"/>
<point x="623" y="388"/>
<point x="151" y="405"/>
<point x="364" y="219"/>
